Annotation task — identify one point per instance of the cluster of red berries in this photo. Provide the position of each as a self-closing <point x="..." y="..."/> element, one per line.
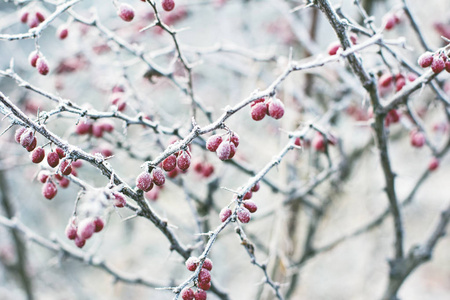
<point x="437" y="61"/>
<point x="125" y="12"/>
<point x="224" y="148"/>
<point x="39" y="62"/>
<point x="81" y="231"/>
<point x="335" y="46"/>
<point x="49" y="188"/>
<point x="145" y="181"/>
<point x="386" y="80"/>
<point x="95" y="129"/>
<point x="390" y="20"/>
<point x="244" y="212"/>
<point x="273" y="108"/>
<point x="203" y="280"/>
<point x="32" y="19"/>
<point x="203" y="168"/>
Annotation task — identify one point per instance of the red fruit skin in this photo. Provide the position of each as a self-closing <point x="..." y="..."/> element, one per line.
<point x="425" y="60"/>
<point x="232" y="151"/>
<point x="256" y="187"/>
<point x="43" y="176"/>
<point x="243" y="215"/>
<point x="385" y="80"/>
<point x="24" y="17"/>
<point x="447" y="66"/>
<point x="144" y="182"/>
<point x="187" y="294"/>
<point x="64" y="182"/>
<point x="86" y="228"/>
<point x="126" y="12"/>
<point x="208" y="169"/>
<point x="251" y="206"/>
<point x="26" y="139"/>
<point x="438" y="65"/>
<point x="173" y="173"/>
<point x="60" y="152"/>
<point x="204" y="285"/>
<point x="65" y="168"/>
<point x="119" y="101"/>
<point x="153" y="194"/>
<point x="62" y="32"/>
<point x="275" y="108"/>
<point x="207" y="264"/>
<point x="99" y="224"/>
<point x="32" y="145"/>
<point x="192" y="263"/>
<point x="97" y="130"/>
<point x="77" y="164"/>
<point x="258" y="111"/>
<point x="19" y="133"/>
<point x="83" y="127"/>
<point x="204" y="276"/>
<point x="119" y="200"/>
<point x="224" y="214"/>
<point x="318" y="143"/>
<point x="389" y="22"/>
<point x="183" y="161"/>
<point x="198" y="167"/>
<point x="42" y="66"/>
<point x="257" y="101"/>
<point x="168" y="5"/>
<point x="49" y="190"/>
<point x="224" y="150"/>
<point x="434" y="164"/>
<point x="234" y="139"/>
<point x="247" y="195"/>
<point x="53" y="159"/>
<point x="37" y="155"/>
<point x="32" y="58"/>
<point x="399" y="84"/>
<point x="158" y="177"/>
<point x="79" y="242"/>
<point x="417" y="139"/>
<point x="33" y="22"/>
<point x="333" y="48"/>
<point x="107" y="126"/>
<point x="169" y="163"/>
<point x="200" y="295"/>
<point x="71" y="231"/>
<point x="213" y="142"/>
<point x="40" y="17"/>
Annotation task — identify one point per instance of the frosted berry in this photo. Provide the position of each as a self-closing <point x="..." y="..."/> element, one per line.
<point x="275" y="108"/>
<point x="71" y="231"/>
<point x="49" y="190"/>
<point x="204" y="276"/>
<point x="32" y="145"/>
<point x="385" y="80"/>
<point x="235" y="139"/>
<point x="40" y="16"/>
<point x="213" y="142"/>
<point x="33" y="22"/>
<point x="225" y="213"/>
<point x="60" y="152"/>
<point x="65" y="168"/>
<point x="32" y="58"/>
<point x="83" y="127"/>
<point x="42" y="66"/>
<point x="37" y="155"/>
<point x="207" y="264"/>
<point x="258" y="111"/>
<point x="26" y="139"/>
<point x="256" y="187"/>
<point x="119" y="200"/>
<point x="99" y="224"/>
<point x="183" y="160"/>
<point x="53" y="159"/>
<point x="204" y="285"/>
<point x="118" y="100"/>
<point x="333" y="48"/>
<point x="168" y="5"/>
<point x="400" y="83"/>
<point x="79" y="242"/>
<point x="425" y="60"/>
<point x="417" y="139"/>
<point x="126" y="12"/>
<point x="251" y="206"/>
<point x="232" y="151"/>
<point x="62" y="32"/>
<point x="224" y="150"/>
<point x="19" y="133"/>
<point x="192" y="263"/>
<point x="86" y="228"/>
<point x="447" y="66"/>
<point x="438" y="65"/>
<point x="243" y="215"/>
<point x="247" y="195"/>
<point x="187" y="294"/>
<point x="158" y="177"/>
<point x="43" y="176"/>
<point x="169" y="163"/>
<point x="144" y="182"/>
<point x="434" y="164"/>
<point x="200" y="295"/>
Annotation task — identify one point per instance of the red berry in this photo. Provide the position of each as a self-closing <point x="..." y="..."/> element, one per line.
<point x="425" y="60"/>
<point x="49" y="190"/>
<point x="119" y="200"/>
<point x="318" y="142"/>
<point x="192" y="263"/>
<point x="32" y="145"/>
<point x="64" y="182"/>
<point x="79" y="242"/>
<point x="173" y="173"/>
<point x="40" y="16"/>
<point x="65" y="168"/>
<point x="417" y="139"/>
<point x="43" y="176"/>
<point x="187" y="294"/>
<point x="33" y="22"/>
<point x="385" y="80"/>
<point x="198" y="167"/>
<point x="118" y="100"/>
<point x="32" y="58"/>
<point x="232" y="151"/>
<point x="251" y="206"/>
<point x="204" y="285"/>
<point x="144" y="182"/>
<point x="168" y="5"/>
<point x="62" y="32"/>
<point x="99" y="224"/>
<point x="153" y="194"/>
<point x="235" y="139"/>
<point x="258" y="111"/>
<point x="208" y="169"/>
<point x="333" y="48"/>
<point x="207" y="264"/>
<point x="52" y="159"/>
<point x="24" y="17"/>
<point x="19" y="133"/>
<point x="243" y="215"/>
<point x="60" y="152"/>
<point x="438" y="65"/>
<point x="26" y="139"/>
<point x="183" y="160"/>
<point x="86" y="228"/>
<point x="225" y="213"/>
<point x="412" y="76"/>
<point x="77" y="164"/>
<point x="42" y="66"/>
<point x="169" y="163"/>
<point x="126" y="12"/>
<point x="256" y="187"/>
<point x="204" y="276"/>
<point x="434" y="164"/>
<point x="84" y="127"/>
<point x="389" y="21"/>
<point x="447" y="66"/>
<point x="97" y="130"/>
<point x="213" y="142"/>
<point x="275" y="108"/>
<point x="158" y="177"/>
<point x="37" y="155"/>
<point x="71" y="231"/>
<point x="200" y="295"/>
<point x="224" y="150"/>
<point x="107" y="126"/>
<point x="247" y="195"/>
<point x="400" y="83"/>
